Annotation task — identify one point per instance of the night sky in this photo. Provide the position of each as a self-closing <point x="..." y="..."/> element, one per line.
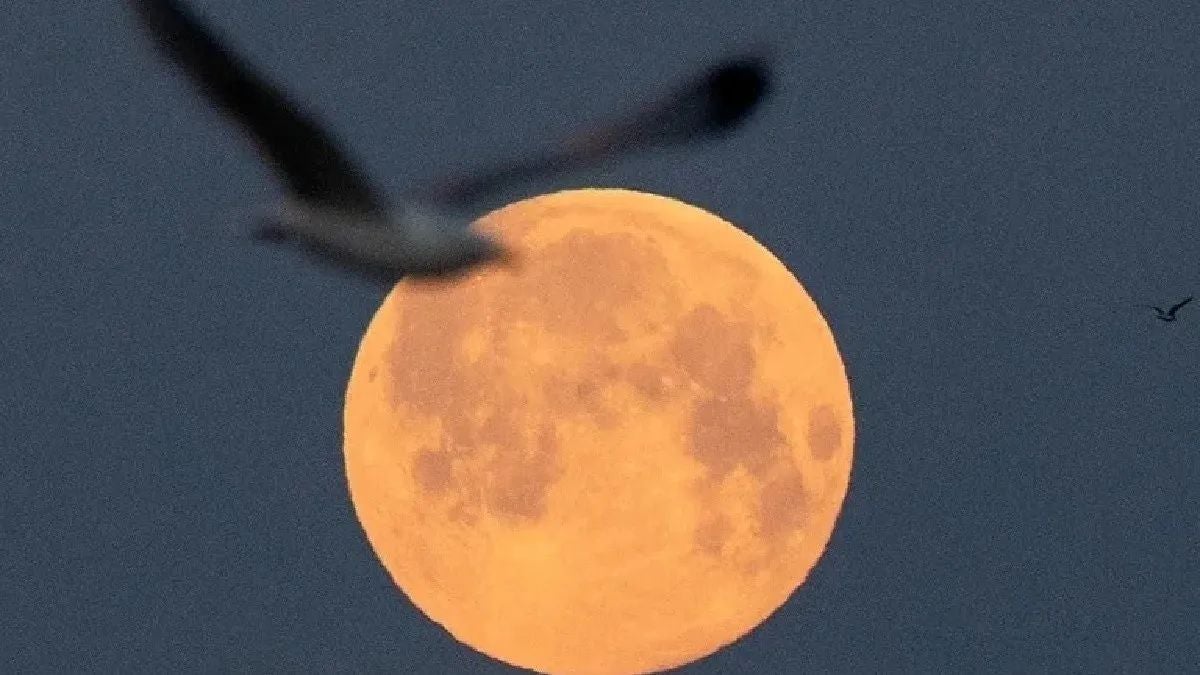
<point x="978" y="199"/>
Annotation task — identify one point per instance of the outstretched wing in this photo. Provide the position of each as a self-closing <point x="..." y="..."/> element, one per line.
<point x="298" y="148"/>
<point x="709" y="104"/>
<point x="1179" y="304"/>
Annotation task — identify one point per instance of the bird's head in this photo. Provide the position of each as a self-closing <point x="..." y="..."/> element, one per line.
<point x="442" y="245"/>
<point x="455" y="253"/>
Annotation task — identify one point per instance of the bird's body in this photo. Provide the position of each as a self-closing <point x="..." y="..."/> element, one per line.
<point x="1169" y="313"/>
<point x="334" y="212"/>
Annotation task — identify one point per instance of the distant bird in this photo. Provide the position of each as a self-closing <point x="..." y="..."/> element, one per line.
<point x="334" y="212"/>
<point x="1169" y="314"/>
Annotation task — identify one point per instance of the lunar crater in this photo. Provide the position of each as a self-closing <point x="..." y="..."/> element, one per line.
<point x="824" y="433"/>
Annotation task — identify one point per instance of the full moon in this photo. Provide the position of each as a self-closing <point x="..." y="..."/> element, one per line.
<point x="616" y="457"/>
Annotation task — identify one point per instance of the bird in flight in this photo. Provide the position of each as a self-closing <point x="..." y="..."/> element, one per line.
<point x="1169" y="313"/>
<point x="334" y="212"/>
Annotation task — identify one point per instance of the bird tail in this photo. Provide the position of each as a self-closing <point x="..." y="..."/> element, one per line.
<point x="264" y="224"/>
<point x="269" y="230"/>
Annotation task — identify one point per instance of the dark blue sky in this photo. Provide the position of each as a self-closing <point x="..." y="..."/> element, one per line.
<point x="978" y="198"/>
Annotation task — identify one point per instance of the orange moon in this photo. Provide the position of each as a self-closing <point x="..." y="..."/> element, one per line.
<point x="616" y="458"/>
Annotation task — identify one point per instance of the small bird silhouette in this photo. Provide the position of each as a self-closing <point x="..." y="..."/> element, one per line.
<point x="332" y="211"/>
<point x="1169" y="314"/>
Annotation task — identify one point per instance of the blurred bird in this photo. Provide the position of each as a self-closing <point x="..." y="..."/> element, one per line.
<point x="1169" y="314"/>
<point x="334" y="212"/>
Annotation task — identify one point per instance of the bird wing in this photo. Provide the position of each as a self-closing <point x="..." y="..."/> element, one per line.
<point x="1179" y="304"/>
<point x="310" y="162"/>
<point x="706" y="105"/>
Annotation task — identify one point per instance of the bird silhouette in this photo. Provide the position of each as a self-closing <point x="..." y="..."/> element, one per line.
<point x="1169" y="313"/>
<point x="334" y="212"/>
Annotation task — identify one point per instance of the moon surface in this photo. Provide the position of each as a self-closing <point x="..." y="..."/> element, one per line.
<point x="617" y="458"/>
